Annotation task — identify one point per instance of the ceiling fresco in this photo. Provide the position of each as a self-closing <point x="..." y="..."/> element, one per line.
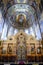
<point x="21" y="15"/>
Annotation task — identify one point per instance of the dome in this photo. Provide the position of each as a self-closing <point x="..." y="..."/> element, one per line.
<point x="21" y="16"/>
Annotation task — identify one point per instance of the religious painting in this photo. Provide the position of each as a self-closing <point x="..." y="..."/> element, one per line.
<point x="9" y="49"/>
<point x="32" y="48"/>
<point x="4" y="48"/>
<point x="39" y="50"/>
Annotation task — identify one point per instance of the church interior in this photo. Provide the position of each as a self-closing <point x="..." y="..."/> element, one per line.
<point x="21" y="32"/>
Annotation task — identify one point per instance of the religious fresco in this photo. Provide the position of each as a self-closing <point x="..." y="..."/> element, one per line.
<point x="26" y="11"/>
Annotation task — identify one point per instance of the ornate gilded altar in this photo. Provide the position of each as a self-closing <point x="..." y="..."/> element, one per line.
<point x="22" y="47"/>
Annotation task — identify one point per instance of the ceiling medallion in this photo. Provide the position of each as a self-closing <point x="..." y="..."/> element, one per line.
<point x="21" y="1"/>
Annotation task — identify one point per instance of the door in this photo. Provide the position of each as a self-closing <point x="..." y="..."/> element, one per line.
<point x="21" y="52"/>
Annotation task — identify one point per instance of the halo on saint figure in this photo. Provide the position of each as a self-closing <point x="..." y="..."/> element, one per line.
<point x="21" y="17"/>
